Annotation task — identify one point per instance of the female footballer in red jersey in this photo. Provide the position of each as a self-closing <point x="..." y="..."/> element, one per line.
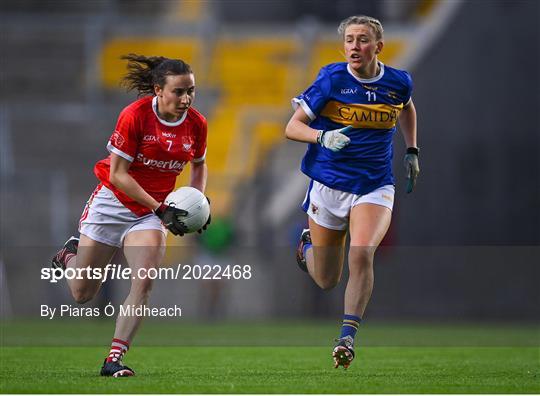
<point x="154" y="138"/>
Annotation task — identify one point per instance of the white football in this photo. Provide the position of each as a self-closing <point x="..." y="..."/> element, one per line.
<point x="194" y="202"/>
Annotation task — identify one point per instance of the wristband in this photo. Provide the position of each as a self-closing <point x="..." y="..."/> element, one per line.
<point x="160" y="209"/>
<point x="413" y="150"/>
<point x="320" y="134"/>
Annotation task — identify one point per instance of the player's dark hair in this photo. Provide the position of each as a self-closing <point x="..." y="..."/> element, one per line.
<point x="145" y="72"/>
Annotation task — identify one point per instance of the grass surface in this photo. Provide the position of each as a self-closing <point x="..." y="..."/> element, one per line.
<point x="274" y="370"/>
<point x="262" y="358"/>
<point x="92" y="332"/>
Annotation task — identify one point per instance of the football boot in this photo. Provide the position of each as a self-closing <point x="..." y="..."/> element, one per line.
<point x="343" y="353"/>
<point x="116" y="369"/>
<point x="300" y="258"/>
<point x="61" y="258"/>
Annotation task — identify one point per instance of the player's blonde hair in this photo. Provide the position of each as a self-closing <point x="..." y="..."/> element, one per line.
<point x="374" y="23"/>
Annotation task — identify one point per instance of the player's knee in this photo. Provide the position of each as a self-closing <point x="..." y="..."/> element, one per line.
<point x="328" y="283"/>
<point x="83" y="295"/>
<point x="142" y="287"/>
<point x="326" y="286"/>
<point x="361" y="255"/>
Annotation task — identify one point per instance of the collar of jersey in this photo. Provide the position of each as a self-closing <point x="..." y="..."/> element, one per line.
<point x="167" y="123"/>
<point x="368" y="80"/>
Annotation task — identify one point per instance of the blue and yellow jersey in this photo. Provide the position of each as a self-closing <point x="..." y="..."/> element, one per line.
<point x="337" y="99"/>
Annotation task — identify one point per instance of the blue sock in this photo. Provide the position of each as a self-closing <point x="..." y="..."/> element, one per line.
<point x="350" y="325"/>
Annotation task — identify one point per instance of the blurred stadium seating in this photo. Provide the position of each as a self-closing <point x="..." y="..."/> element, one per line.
<point x="64" y="62"/>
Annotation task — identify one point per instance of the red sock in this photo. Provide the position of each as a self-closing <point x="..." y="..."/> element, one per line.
<point x="118" y="349"/>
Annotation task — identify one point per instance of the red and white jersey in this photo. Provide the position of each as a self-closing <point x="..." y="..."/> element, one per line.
<point x="158" y="150"/>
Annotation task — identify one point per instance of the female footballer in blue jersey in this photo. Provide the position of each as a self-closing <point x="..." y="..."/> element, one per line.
<point x="348" y="116"/>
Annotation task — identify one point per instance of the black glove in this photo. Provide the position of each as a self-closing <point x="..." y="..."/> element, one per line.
<point x="411" y="167"/>
<point x="207" y="221"/>
<point x="171" y="218"/>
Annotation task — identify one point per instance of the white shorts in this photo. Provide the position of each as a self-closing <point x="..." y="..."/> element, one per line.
<point x="105" y="219"/>
<point x="331" y="208"/>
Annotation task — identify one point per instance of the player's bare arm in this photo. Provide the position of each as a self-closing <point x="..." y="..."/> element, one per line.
<point x="199" y="175"/>
<point x="122" y="180"/>
<point x="298" y="130"/>
<point x="407" y="124"/>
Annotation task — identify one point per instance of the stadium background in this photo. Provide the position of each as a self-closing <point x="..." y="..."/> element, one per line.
<point x="462" y="248"/>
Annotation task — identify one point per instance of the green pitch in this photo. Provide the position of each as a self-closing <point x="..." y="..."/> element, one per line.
<point x="262" y="358"/>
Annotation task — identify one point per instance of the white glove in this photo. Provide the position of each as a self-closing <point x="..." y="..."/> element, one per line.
<point x="335" y="139"/>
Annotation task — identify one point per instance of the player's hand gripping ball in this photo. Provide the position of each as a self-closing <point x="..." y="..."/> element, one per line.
<point x="195" y="204"/>
<point x="172" y="218"/>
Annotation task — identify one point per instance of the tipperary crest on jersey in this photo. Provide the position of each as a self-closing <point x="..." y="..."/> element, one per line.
<point x="393" y="95"/>
<point x="186" y="143"/>
<point x="117" y="140"/>
<point x="370" y="87"/>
